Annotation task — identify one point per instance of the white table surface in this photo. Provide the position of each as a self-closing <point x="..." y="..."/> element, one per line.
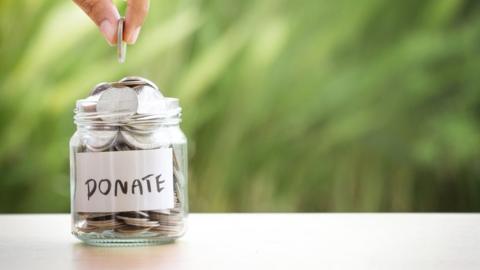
<point x="258" y="241"/>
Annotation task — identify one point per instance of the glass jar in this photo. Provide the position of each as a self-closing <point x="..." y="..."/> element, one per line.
<point x="128" y="162"/>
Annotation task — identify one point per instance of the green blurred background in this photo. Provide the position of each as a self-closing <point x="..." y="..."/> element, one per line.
<point x="309" y="105"/>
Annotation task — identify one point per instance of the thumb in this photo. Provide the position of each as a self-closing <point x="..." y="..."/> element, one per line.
<point x="104" y="14"/>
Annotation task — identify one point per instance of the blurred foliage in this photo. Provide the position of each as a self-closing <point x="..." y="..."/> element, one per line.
<point x="309" y="105"/>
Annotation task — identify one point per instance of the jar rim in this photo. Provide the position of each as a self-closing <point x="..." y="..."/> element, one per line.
<point x="162" y="111"/>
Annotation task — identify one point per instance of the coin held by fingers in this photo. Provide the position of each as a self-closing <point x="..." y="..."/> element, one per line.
<point x="121" y="45"/>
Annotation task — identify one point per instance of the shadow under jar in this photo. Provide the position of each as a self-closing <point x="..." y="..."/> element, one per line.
<point x="128" y="162"/>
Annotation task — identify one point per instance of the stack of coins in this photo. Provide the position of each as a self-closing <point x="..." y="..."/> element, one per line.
<point x="163" y="222"/>
<point x="121" y="118"/>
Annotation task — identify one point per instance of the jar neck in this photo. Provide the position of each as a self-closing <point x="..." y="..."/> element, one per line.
<point x="158" y="113"/>
<point x="136" y="122"/>
<point x="147" y="128"/>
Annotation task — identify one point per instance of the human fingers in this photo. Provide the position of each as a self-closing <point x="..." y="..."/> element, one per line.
<point x="136" y="12"/>
<point x="104" y="14"/>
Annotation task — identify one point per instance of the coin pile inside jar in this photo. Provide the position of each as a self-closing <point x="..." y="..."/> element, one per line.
<point x="121" y="118"/>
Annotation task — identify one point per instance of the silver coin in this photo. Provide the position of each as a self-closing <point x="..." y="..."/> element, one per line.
<point x="108" y="217"/>
<point x="94" y="215"/>
<point x="132" y="84"/>
<point x="116" y="103"/>
<point x="178" y="191"/>
<point x="123" y="147"/>
<point x="163" y="228"/>
<point x="170" y="219"/>
<point x="119" y="85"/>
<point x="177" y="210"/>
<point x="140" y="141"/>
<point x="99" y="140"/>
<point x="143" y="130"/>
<point x="104" y="223"/>
<point x="100" y="88"/>
<point x="178" y="176"/>
<point x="131" y="79"/>
<point x="88" y="107"/>
<point x="133" y="214"/>
<point x="160" y="211"/>
<point x="142" y="224"/>
<point x="145" y="119"/>
<point x="142" y="213"/>
<point x="132" y="219"/>
<point x="149" y="100"/>
<point x="175" y="160"/>
<point x="121" y="45"/>
<point x="128" y="229"/>
<point x="88" y="228"/>
<point x="167" y="219"/>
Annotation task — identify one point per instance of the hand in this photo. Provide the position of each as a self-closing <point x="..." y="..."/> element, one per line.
<point x="106" y="16"/>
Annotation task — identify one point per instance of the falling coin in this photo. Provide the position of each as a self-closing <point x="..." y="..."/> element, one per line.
<point x="121" y="45"/>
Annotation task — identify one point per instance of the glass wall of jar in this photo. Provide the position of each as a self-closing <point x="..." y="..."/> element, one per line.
<point x="128" y="162"/>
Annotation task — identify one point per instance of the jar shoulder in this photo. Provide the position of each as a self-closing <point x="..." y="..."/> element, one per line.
<point x="161" y="135"/>
<point x="179" y="135"/>
<point x="75" y="139"/>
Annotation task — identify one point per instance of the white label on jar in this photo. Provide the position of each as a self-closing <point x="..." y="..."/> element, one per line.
<point x="124" y="181"/>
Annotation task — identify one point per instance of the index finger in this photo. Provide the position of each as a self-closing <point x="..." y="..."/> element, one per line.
<point x="136" y="12"/>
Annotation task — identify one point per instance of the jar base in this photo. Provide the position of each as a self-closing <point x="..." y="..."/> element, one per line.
<point x="112" y="242"/>
<point x="126" y="242"/>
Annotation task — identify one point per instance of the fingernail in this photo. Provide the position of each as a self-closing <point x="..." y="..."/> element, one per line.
<point x="108" y="31"/>
<point x="132" y="38"/>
